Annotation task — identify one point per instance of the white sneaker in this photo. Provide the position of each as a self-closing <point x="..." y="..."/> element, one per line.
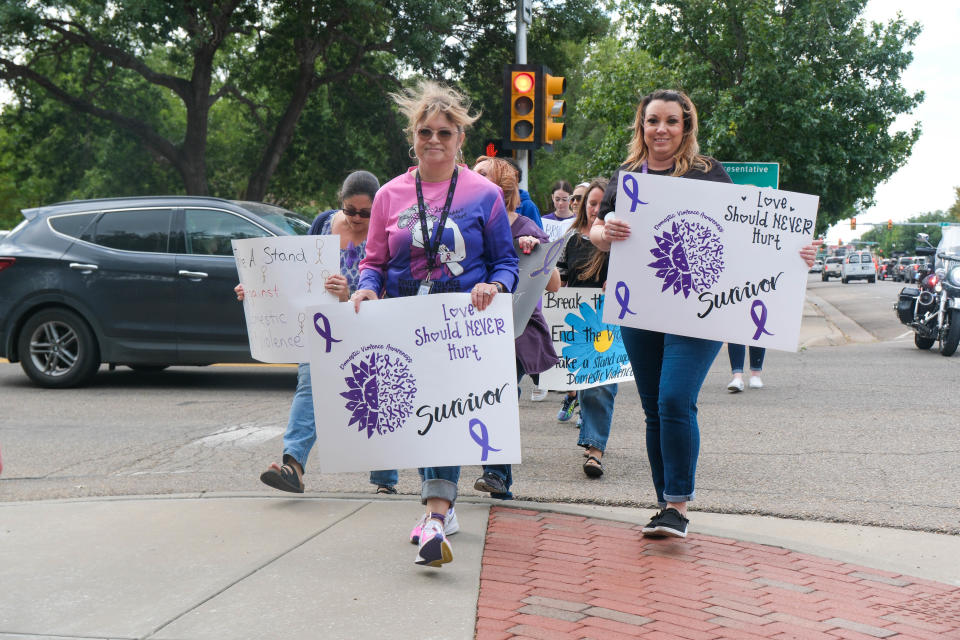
<point x="538" y="394"/>
<point x="450" y="525"/>
<point x="755" y="382"/>
<point x="736" y="385"/>
<point x="434" y="549"/>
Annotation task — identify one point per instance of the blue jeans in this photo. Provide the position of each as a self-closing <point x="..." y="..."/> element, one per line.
<point x="669" y="371"/>
<point x="301" y="433"/>
<point x="439" y="482"/>
<point x="505" y="471"/>
<point x="596" y="409"/>
<point x="737" y="352"/>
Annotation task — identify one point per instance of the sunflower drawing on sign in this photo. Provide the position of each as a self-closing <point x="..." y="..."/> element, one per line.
<point x="689" y="257"/>
<point x="380" y="393"/>
<point x="593" y="345"/>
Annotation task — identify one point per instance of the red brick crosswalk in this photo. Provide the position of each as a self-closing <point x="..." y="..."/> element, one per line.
<point x="550" y="576"/>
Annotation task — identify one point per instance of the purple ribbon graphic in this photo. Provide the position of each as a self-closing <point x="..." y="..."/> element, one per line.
<point x="623" y="299"/>
<point x="555" y="248"/>
<point x="325" y="332"/>
<point x="483" y="439"/>
<point x="632" y="191"/>
<point x="759" y="322"/>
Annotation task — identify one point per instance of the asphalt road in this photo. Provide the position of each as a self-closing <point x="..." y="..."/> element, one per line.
<point x="859" y="433"/>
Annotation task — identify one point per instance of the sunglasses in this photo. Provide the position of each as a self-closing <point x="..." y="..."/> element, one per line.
<point x="576" y="198"/>
<point x="363" y="213"/>
<point x="443" y="135"/>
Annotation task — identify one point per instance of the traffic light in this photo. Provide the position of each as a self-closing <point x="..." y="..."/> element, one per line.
<point x="853" y="223"/>
<point x="553" y="107"/>
<point x="494" y="148"/>
<point x="520" y="92"/>
<point x="889" y="225"/>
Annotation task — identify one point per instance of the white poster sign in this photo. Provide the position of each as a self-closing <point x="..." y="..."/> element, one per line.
<point x="535" y="270"/>
<point x="591" y="352"/>
<point x="281" y="276"/>
<point x="420" y="381"/>
<point x="711" y="260"/>
<point x="556" y="229"/>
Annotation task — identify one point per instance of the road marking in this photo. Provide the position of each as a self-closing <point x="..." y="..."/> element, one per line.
<point x="240" y="436"/>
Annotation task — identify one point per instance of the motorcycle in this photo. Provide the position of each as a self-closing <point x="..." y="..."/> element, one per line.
<point x="932" y="308"/>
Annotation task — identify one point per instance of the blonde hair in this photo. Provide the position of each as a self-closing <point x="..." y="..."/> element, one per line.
<point x="429" y="98"/>
<point x="688" y="154"/>
<point x="504" y="176"/>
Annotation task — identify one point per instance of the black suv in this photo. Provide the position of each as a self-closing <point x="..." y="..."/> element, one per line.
<point x="143" y="282"/>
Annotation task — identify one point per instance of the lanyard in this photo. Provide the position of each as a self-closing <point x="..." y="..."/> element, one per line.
<point x="643" y="167"/>
<point x="432" y="246"/>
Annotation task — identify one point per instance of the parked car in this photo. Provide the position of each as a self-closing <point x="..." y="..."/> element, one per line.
<point x="912" y="271"/>
<point x="817" y="266"/>
<point x="143" y="282"/>
<point x="902" y="262"/>
<point x="831" y="268"/>
<point x="858" y="265"/>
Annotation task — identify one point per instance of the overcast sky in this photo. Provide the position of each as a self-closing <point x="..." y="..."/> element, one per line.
<point x="926" y="183"/>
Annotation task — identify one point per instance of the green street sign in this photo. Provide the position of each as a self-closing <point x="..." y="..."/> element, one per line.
<point x="758" y="174"/>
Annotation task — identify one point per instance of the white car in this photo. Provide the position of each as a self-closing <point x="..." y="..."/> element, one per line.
<point x="831" y="268"/>
<point x="817" y="266"/>
<point x="858" y="266"/>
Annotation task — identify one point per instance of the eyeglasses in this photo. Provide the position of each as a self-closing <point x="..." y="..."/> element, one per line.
<point x="561" y="198"/>
<point x="576" y="198"/>
<point x="363" y="213"/>
<point x="443" y="135"/>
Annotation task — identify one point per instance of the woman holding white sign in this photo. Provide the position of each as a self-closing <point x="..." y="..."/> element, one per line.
<point x="437" y="228"/>
<point x="669" y="369"/>
<point x="350" y="223"/>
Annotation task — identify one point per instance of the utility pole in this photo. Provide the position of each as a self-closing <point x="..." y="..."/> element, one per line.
<point x="524" y="18"/>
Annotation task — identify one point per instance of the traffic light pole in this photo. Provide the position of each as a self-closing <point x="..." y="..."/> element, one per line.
<point x="523" y="15"/>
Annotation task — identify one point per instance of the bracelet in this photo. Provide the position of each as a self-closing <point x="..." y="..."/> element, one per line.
<point x="500" y="287"/>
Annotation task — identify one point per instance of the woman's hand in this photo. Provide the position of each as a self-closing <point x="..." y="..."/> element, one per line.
<point x="527" y="243"/>
<point x="360" y="295"/>
<point x="239" y="291"/>
<point x="337" y="285"/>
<point x="615" y="230"/>
<point x="482" y="295"/>
<point x="809" y="253"/>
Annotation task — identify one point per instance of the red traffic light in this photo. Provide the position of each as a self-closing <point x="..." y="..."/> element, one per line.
<point x="522" y="82"/>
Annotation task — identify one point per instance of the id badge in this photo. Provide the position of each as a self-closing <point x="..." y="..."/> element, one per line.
<point x="424" y="289"/>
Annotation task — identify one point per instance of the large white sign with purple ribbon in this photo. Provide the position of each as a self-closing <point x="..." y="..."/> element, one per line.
<point x="591" y="351"/>
<point x="711" y="260"/>
<point x="281" y="276"/>
<point x="535" y="270"/>
<point x="421" y="381"/>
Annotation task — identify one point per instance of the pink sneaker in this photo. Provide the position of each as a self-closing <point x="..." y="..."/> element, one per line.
<point x="450" y="526"/>
<point x="435" y="549"/>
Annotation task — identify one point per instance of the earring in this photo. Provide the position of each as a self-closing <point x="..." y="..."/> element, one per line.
<point x="460" y="159"/>
<point x="412" y="153"/>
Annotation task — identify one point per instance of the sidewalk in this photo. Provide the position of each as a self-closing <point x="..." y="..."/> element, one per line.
<point x="331" y="567"/>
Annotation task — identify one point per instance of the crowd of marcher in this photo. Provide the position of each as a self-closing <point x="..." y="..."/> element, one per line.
<point x="498" y="220"/>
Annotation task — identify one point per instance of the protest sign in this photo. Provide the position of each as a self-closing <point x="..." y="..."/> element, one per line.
<point x="535" y="270"/>
<point x="281" y="276"/>
<point x="591" y="352"/>
<point x="556" y="229"/>
<point x="419" y="381"/>
<point x="711" y="260"/>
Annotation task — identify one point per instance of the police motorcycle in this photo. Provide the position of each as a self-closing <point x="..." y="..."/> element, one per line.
<point x="932" y="308"/>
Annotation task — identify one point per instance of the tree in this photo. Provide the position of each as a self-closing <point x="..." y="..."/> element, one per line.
<point x="805" y="83"/>
<point x="119" y="61"/>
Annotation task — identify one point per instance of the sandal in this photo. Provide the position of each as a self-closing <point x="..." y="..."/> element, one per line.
<point x="284" y="478"/>
<point x="593" y="470"/>
<point x="387" y="489"/>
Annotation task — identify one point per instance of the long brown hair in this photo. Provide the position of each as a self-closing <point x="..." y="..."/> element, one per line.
<point x="688" y="154"/>
<point x="598" y="259"/>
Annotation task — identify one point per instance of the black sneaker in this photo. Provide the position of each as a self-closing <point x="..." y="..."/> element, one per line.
<point x="491" y="483"/>
<point x="667" y="523"/>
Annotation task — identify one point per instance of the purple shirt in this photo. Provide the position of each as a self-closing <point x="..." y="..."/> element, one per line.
<point x="476" y="244"/>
